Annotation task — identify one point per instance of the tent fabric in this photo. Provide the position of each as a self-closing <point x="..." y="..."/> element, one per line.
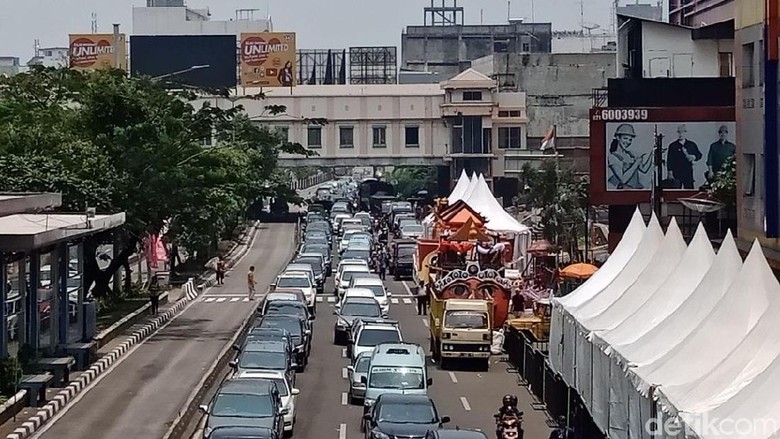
<point x="460" y="188"/>
<point x="482" y="200"/>
<point x="562" y="325"/>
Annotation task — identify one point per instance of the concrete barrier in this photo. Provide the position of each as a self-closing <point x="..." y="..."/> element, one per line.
<point x="14" y="405"/>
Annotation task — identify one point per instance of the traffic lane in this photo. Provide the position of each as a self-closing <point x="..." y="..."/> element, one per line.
<point x="143" y="394"/>
<point x="468" y="395"/>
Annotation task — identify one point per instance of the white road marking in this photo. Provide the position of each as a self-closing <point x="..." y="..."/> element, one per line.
<point x="343" y="431"/>
<point x="235" y="299"/>
<point x="465" y="403"/>
<point x="331" y="299"/>
<point x="344" y="353"/>
<point x="320" y="299"/>
<point x="394" y="300"/>
<point x="343" y="398"/>
<point x="221" y="299"/>
<point x="454" y="378"/>
<point x="344" y="373"/>
<point x="245" y="299"/>
<point x="407" y="301"/>
<point x="426" y="323"/>
<point x="210" y="299"/>
<point x="406" y="286"/>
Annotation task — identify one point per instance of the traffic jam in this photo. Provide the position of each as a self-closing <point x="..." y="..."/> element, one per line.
<point x="351" y="248"/>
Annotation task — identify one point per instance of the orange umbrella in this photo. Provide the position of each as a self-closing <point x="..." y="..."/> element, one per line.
<point x="579" y="271"/>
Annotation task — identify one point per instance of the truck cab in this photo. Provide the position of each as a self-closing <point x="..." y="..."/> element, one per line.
<point x="461" y="328"/>
<point x="402" y="263"/>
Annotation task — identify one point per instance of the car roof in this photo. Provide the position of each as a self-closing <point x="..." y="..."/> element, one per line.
<point x="294" y="273"/>
<point x="310" y="255"/>
<point x="373" y="280"/>
<point x="258" y="330"/>
<point x="459" y="434"/>
<point x="358" y="268"/>
<point x="268" y="374"/>
<point x="405" y="399"/>
<point x="360" y="299"/>
<point x="359" y="292"/>
<point x="298" y="266"/>
<point x="281" y="297"/>
<point x="265" y="346"/>
<point x="352" y="261"/>
<point x="241" y="432"/>
<point x="252" y="386"/>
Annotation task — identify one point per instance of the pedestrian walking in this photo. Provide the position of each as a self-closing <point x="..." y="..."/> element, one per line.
<point x="251" y="282"/>
<point x="422" y="306"/>
<point x="562" y="432"/>
<point x="382" y="267"/>
<point x="154" y="296"/>
<point x="221" y="269"/>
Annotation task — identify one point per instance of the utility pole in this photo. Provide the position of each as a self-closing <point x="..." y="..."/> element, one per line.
<point x="658" y="168"/>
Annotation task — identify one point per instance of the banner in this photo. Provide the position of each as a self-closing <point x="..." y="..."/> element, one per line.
<point x="96" y="51"/>
<point x="268" y="59"/>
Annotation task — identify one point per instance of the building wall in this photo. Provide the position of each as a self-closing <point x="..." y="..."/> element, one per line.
<point x="669" y="51"/>
<point x="697" y="13"/>
<point x="9" y="65"/>
<point x="577" y="42"/>
<point x="185" y="21"/>
<point x="450" y="49"/>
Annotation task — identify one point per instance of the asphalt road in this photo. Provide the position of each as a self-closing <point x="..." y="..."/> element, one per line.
<point x="142" y="394"/>
<point x="470" y="398"/>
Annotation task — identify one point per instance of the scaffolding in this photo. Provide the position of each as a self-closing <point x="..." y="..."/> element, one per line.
<point x="373" y="65"/>
<point x="313" y="65"/>
<point x="448" y="13"/>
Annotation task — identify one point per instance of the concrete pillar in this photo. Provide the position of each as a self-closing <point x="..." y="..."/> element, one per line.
<point x="33" y="320"/>
<point x="62" y="299"/>
<point x="3" y="298"/>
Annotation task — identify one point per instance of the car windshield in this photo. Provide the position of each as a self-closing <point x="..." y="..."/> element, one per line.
<point x="321" y="249"/>
<point x="412" y="228"/>
<point x="347" y="275"/>
<point x="316" y="264"/>
<point x="396" y="378"/>
<point x="292" y="325"/>
<point x="243" y="406"/>
<point x="356" y="309"/>
<point x="281" y="386"/>
<point x="362" y="364"/>
<point x="357" y="254"/>
<point x="466" y="320"/>
<point x="378" y="290"/>
<point x="406" y="251"/>
<point x="263" y="360"/>
<point x="373" y="337"/>
<point x="266" y="336"/>
<point x="293" y="282"/>
<point x="407" y="413"/>
<point x="286" y="307"/>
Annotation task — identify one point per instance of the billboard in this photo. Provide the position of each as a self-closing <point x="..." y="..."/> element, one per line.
<point x="96" y="51"/>
<point x="268" y="59"/>
<point x="695" y="142"/>
<point x="174" y="56"/>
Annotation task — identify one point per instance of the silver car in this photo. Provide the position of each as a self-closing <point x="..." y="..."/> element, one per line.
<point x="357" y="371"/>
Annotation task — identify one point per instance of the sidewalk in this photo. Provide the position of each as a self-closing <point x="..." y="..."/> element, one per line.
<point x="23" y="416"/>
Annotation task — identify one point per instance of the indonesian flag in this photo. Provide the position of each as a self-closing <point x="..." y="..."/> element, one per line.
<point x="549" y="140"/>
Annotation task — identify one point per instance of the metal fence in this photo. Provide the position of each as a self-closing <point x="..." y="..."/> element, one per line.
<point x="313" y="180"/>
<point x="529" y="359"/>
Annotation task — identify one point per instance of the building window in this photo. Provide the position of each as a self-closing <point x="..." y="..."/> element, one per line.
<point x="748" y="62"/>
<point x="509" y="137"/>
<point x="512" y="113"/>
<point x="380" y="136"/>
<point x="284" y="133"/>
<point x="761" y="57"/>
<point x="472" y="95"/>
<point x="314" y="137"/>
<point x="726" y="64"/>
<point x="526" y="47"/>
<point x="487" y="140"/>
<point x="346" y="137"/>
<point x="412" y="136"/>
<point x="749" y="186"/>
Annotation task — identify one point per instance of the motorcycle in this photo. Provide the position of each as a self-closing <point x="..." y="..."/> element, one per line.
<point x="510" y="427"/>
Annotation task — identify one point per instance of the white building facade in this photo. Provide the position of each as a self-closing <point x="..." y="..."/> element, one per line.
<point x="187" y="21"/>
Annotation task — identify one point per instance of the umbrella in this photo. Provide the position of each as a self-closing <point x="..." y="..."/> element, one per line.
<point x="541" y="246"/>
<point x="579" y="271"/>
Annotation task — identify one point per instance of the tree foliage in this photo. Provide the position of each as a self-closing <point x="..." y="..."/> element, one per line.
<point x="724" y="186"/>
<point x="123" y="144"/>
<point x="561" y="197"/>
<point x="408" y="180"/>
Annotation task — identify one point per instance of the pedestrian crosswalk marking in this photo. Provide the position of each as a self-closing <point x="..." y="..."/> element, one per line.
<point x="235" y="299"/>
<point x="320" y="299"/>
<point x="210" y="299"/>
<point x="407" y="301"/>
<point x="246" y="299"/>
<point x="394" y="301"/>
<point x="331" y="299"/>
<point x="221" y="299"/>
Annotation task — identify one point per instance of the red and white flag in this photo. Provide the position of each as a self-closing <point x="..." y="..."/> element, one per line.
<point x="549" y="140"/>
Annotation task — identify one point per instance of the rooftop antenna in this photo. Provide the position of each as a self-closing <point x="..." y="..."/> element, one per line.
<point x="481" y="16"/>
<point x="508" y="10"/>
<point x="613" y="17"/>
<point x="94" y="23"/>
<point x="582" y="21"/>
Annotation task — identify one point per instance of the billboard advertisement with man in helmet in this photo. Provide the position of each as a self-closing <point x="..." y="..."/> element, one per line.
<point x="692" y="153"/>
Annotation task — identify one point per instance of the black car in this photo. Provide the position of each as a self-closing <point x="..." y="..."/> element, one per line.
<point x="407" y="416"/>
<point x="296" y="326"/>
<point x="322" y="249"/>
<point x="245" y="402"/>
<point x="268" y="334"/>
<point x="243" y="433"/>
<point x="290" y="308"/>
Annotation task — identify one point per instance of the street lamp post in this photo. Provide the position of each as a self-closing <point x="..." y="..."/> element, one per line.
<point x="181" y="72"/>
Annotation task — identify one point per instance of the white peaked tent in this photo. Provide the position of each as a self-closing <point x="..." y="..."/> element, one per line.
<point x="460" y="188"/>
<point x="561" y="352"/>
<point x="482" y="201"/>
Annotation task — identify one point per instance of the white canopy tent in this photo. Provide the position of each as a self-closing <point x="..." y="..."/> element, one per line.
<point x="674" y="332"/>
<point x="482" y="201"/>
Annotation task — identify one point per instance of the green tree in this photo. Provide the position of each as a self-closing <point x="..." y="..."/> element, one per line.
<point x="724" y="186"/>
<point x="408" y="180"/>
<point x="116" y="143"/>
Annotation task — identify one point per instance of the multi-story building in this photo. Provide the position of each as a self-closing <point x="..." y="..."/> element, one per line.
<point x="172" y="17"/>
<point x="698" y="13"/>
<point x="9" y="65"/>
<point x="757" y="138"/>
<point x="50" y="57"/>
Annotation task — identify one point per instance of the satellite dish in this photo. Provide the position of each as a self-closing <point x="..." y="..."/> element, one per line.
<point x="590" y="26"/>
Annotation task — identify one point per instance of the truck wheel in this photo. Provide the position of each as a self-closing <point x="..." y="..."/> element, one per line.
<point x="486" y="365"/>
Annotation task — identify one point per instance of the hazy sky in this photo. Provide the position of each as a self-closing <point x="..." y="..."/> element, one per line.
<point x="319" y="24"/>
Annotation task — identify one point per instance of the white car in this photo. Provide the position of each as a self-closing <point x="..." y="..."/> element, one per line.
<point x="354" y="292"/>
<point x="346" y="277"/>
<point x="370" y="334"/>
<point x="299" y="280"/>
<point x="336" y="224"/>
<point x="346" y="263"/>
<point x="345" y="239"/>
<point x="377" y="287"/>
<point x="287" y="392"/>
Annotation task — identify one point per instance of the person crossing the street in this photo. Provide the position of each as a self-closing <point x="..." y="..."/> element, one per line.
<point x="251" y="282"/>
<point x="422" y="298"/>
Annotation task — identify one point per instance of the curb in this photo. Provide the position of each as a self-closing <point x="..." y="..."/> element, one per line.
<point x="13" y="406"/>
<point x="64" y="396"/>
